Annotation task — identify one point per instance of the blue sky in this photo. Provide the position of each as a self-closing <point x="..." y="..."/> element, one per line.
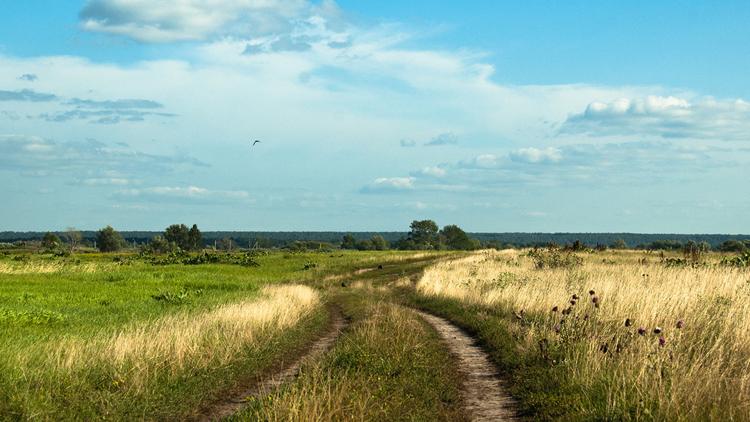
<point x="497" y="116"/>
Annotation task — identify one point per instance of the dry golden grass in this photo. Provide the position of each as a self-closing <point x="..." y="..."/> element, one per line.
<point x="702" y="370"/>
<point x="39" y="267"/>
<point x="185" y="342"/>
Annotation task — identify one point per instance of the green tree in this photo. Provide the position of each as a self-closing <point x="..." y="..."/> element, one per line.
<point x="195" y="238"/>
<point x="733" y="246"/>
<point x="424" y="234"/>
<point x="379" y="243"/>
<point x="619" y="244"/>
<point x="348" y="242"/>
<point x="365" y="245"/>
<point x="109" y="240"/>
<point x="159" y="245"/>
<point x="455" y="238"/>
<point x="179" y="234"/>
<point x="50" y="241"/>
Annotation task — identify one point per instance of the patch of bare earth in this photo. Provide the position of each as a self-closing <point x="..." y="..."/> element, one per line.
<point x="484" y="396"/>
<point x="266" y="384"/>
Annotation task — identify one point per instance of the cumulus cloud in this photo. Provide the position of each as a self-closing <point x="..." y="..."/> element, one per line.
<point x="26" y="95"/>
<point x="443" y="139"/>
<point x="536" y="155"/>
<point x="432" y="171"/>
<point x="390" y="184"/>
<point x="185" y="20"/>
<point x="667" y="117"/>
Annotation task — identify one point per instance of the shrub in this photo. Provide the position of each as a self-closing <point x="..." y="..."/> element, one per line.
<point x="554" y="258"/>
<point x="109" y="240"/>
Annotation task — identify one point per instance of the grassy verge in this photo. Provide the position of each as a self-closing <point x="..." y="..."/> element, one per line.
<point x="390" y="365"/>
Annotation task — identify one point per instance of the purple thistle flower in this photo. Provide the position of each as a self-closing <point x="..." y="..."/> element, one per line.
<point x="591" y="292"/>
<point x="641" y="331"/>
<point x="575" y="297"/>
<point x="680" y="324"/>
<point x="662" y="341"/>
<point x="657" y="330"/>
<point x="573" y="303"/>
<point x="595" y="299"/>
<point x="554" y="309"/>
<point x="628" y="322"/>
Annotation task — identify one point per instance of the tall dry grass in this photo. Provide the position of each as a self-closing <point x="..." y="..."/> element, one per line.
<point x="41" y="267"/>
<point x="702" y="370"/>
<point x="184" y="341"/>
<point x="138" y="368"/>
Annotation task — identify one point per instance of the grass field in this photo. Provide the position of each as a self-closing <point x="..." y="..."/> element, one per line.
<point x="609" y="335"/>
<point x="113" y="335"/>
<point x="622" y="336"/>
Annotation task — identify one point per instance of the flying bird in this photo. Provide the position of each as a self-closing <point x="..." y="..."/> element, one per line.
<point x="256" y="142"/>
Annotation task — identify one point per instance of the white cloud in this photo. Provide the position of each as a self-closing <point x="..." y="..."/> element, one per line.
<point x="182" y="20"/>
<point x="536" y="155"/>
<point x="447" y="138"/>
<point x="668" y="117"/>
<point x="390" y="184"/>
<point x="191" y="193"/>
<point x="433" y="171"/>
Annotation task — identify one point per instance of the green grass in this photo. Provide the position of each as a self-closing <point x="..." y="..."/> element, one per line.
<point x="40" y="310"/>
<point x="390" y="365"/>
<point x="539" y="387"/>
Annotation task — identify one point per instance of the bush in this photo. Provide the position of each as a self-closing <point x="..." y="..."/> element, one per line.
<point x="109" y="240"/>
<point x="554" y="258"/>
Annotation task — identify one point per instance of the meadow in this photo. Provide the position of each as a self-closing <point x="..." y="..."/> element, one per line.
<point x="117" y="336"/>
<point x="581" y="335"/>
<point x="622" y="335"/>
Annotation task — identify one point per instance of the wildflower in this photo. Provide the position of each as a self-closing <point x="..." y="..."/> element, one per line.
<point x="662" y="341"/>
<point x="657" y="330"/>
<point x="573" y="303"/>
<point x="628" y="322"/>
<point x="591" y="292"/>
<point x="575" y="297"/>
<point x="595" y="299"/>
<point x="641" y="331"/>
<point x="554" y="309"/>
<point x="680" y="324"/>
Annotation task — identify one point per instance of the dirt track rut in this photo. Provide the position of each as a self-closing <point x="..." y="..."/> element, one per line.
<point x="484" y="396"/>
<point x="267" y="384"/>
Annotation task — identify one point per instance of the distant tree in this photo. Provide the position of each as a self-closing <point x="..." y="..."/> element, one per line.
<point x="50" y="241"/>
<point x="73" y="237"/>
<point x="379" y="243"/>
<point x="160" y="245"/>
<point x="109" y="240"/>
<point x="348" y="242"/>
<point x="365" y="245"/>
<point x="424" y="234"/>
<point x="455" y="238"/>
<point x="180" y="235"/>
<point x="227" y="244"/>
<point x="733" y="246"/>
<point x="195" y="238"/>
<point x="619" y="244"/>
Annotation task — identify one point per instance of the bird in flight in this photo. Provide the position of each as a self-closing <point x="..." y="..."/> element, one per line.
<point x="256" y="142"/>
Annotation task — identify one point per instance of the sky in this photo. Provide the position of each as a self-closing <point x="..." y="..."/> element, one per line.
<point x="538" y="116"/>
